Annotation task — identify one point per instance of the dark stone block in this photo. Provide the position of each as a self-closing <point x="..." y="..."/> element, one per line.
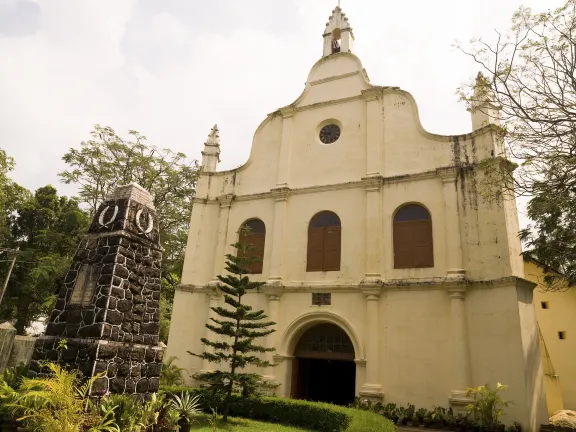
<point x="118" y="292"/>
<point x="107" y="351"/>
<point x="112" y="303"/>
<point x="130" y="386"/>
<point x="124" y="305"/>
<point x="128" y="295"/>
<point x="120" y="259"/>
<point x="101" y="366"/>
<point x="114" y="241"/>
<point x="52" y="355"/>
<point x="72" y="330"/>
<point x="121" y="271"/>
<point x="159" y="355"/>
<point x="156" y="295"/>
<point x="108" y="269"/>
<point x="114" y="334"/>
<point x="138" y="339"/>
<point x="136" y="328"/>
<point x="127" y="337"/>
<point x="99" y="386"/>
<point x="154" y="369"/>
<point x="112" y="370"/>
<point x="114" y="317"/>
<point x="142" y="386"/>
<point x="105" y="279"/>
<point x="135" y="288"/>
<point x="139" y="308"/>
<point x="135" y="371"/>
<point x="70" y="354"/>
<point x="123" y="370"/>
<point x="109" y="259"/>
<point x="60" y="303"/>
<point x="150" y="328"/>
<point x="117" y="385"/>
<point x="55" y="329"/>
<point x="150" y="355"/>
<point x="106" y="330"/>
<point x="102" y="302"/>
<point x="153" y="304"/>
<point x="154" y="384"/>
<point x="88" y="317"/>
<point x="71" y="276"/>
<point x="83" y="353"/>
<point x="138" y="354"/>
<point x="74" y="316"/>
<point x="100" y="314"/>
<point x="93" y="330"/>
<point x="117" y="281"/>
<point x="126" y="252"/>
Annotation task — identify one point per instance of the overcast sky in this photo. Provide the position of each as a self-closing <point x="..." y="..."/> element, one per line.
<point x="172" y="68"/>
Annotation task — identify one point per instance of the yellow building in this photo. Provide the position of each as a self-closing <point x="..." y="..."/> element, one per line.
<point x="388" y="276"/>
<point x="556" y="315"/>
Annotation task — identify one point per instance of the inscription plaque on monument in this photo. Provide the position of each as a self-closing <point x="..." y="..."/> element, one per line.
<point x="85" y="284"/>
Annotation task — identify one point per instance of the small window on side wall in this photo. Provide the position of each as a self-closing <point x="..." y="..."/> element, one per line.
<point x="253" y="232"/>
<point x="324" y="242"/>
<point x="412" y="233"/>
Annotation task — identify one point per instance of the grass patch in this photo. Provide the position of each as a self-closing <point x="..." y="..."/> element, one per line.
<point x="202" y="424"/>
<point x="312" y="416"/>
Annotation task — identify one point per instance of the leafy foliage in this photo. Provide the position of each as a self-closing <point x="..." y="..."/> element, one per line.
<point x="107" y="161"/>
<point x="57" y="404"/>
<point x="528" y="76"/>
<point x="238" y="326"/>
<point x="171" y="374"/>
<point x="47" y="228"/>
<point x="489" y="405"/>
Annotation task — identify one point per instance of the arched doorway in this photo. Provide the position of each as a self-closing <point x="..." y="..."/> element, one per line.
<point x="323" y="366"/>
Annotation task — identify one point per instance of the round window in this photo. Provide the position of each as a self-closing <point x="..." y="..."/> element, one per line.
<point x="330" y="133"/>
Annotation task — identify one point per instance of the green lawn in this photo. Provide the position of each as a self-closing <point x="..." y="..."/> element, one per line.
<point x="202" y="424"/>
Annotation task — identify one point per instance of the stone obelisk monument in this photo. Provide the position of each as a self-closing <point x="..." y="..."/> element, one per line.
<point x="108" y="308"/>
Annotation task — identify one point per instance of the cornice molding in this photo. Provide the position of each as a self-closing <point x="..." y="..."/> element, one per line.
<point x="440" y="283"/>
<point x="372" y="182"/>
<point x="334" y="78"/>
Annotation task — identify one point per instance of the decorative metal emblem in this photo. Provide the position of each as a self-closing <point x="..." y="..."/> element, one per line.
<point x="111" y="220"/>
<point x="150" y="223"/>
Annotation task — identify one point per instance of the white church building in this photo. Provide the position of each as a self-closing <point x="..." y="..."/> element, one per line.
<point x="387" y="274"/>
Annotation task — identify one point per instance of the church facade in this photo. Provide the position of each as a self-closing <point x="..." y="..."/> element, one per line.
<point x="387" y="275"/>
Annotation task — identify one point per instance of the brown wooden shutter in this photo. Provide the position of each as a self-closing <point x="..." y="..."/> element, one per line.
<point x="403" y="250"/>
<point x="422" y="244"/>
<point x="257" y="241"/>
<point x="332" y="238"/>
<point x="315" y="257"/>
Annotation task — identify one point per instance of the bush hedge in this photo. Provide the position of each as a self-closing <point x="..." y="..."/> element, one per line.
<point x="317" y="416"/>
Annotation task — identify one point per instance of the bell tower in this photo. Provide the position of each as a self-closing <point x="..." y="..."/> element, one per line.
<point x="338" y="36"/>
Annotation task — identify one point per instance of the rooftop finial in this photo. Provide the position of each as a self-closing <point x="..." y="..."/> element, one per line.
<point x="338" y="35"/>
<point x="211" y="153"/>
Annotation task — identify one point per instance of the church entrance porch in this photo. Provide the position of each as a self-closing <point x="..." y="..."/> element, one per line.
<point x="323" y="366"/>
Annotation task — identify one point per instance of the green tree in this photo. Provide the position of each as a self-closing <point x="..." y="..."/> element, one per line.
<point x="239" y="326"/>
<point x="47" y="228"/>
<point x="528" y="75"/>
<point x="107" y="161"/>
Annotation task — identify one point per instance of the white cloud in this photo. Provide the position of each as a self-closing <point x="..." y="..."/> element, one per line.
<point x="172" y="69"/>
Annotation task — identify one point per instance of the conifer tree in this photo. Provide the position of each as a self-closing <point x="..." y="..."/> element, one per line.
<point x="238" y="326"/>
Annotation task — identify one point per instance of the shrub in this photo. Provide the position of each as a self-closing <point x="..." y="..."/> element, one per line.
<point x="317" y="416"/>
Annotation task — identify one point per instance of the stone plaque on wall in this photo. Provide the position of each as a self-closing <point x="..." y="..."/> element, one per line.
<point x="85" y="284"/>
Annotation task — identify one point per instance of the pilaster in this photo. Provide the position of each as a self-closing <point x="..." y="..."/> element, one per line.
<point x="273" y="293"/>
<point x="453" y="237"/>
<point x="285" y="144"/>
<point x="219" y="261"/>
<point x="461" y="355"/>
<point x="373" y="251"/>
<point x="213" y="293"/>
<point x="280" y="196"/>
<point x="372" y="387"/>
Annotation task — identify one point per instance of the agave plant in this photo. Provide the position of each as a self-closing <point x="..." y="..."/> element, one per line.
<point x="187" y="407"/>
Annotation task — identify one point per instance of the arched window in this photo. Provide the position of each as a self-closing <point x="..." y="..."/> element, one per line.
<point x="413" y="238"/>
<point x="324" y="243"/>
<point x="253" y="232"/>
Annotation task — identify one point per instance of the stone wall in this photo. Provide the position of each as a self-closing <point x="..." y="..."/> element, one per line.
<point x="14" y="350"/>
